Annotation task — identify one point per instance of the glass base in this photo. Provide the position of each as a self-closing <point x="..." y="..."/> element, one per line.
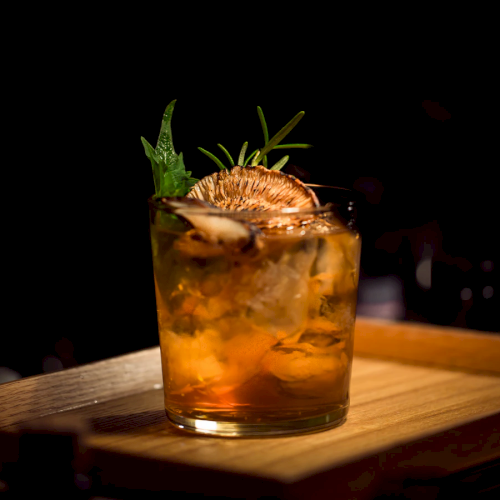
<point x="227" y="426"/>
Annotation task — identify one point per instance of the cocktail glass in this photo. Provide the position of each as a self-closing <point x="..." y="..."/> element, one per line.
<point x="258" y="341"/>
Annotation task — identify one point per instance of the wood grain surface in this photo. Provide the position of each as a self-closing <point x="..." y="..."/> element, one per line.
<point x="420" y="396"/>
<point x="392" y="404"/>
<point x="428" y="345"/>
<point x="40" y="395"/>
<point x="447" y="347"/>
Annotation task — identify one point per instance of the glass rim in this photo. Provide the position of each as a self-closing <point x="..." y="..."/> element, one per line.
<point x="348" y="196"/>
<point x="247" y="214"/>
<point x="343" y="189"/>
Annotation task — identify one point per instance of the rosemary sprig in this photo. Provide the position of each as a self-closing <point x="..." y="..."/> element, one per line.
<point x="214" y="158"/>
<point x="264" y="130"/>
<point x="263" y="124"/>
<point x="280" y="135"/>
<point x="241" y="158"/>
<point x="293" y="146"/>
<point x="231" y="161"/>
<point x="250" y="157"/>
<point x="260" y="155"/>
<point x="280" y="164"/>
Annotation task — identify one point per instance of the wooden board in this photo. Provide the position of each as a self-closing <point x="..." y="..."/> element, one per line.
<point x="422" y="396"/>
<point x="431" y="345"/>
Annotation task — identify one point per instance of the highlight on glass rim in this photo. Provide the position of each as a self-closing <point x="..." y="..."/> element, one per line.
<point x="256" y="287"/>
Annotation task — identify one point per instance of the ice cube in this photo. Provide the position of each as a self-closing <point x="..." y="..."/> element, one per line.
<point x="241" y="357"/>
<point x="319" y="339"/>
<point x="336" y="266"/>
<point x="338" y="311"/>
<point x="277" y="293"/>
<point x="191" y="360"/>
<point x="332" y="382"/>
<point x="308" y="372"/>
<point x="308" y="367"/>
<point x="300" y="363"/>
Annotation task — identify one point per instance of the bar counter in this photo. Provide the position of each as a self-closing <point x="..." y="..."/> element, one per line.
<point x="425" y="410"/>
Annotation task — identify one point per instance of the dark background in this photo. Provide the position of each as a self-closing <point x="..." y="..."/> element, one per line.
<point x="83" y="287"/>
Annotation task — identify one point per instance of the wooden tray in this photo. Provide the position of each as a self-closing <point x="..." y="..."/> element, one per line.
<point x="425" y="402"/>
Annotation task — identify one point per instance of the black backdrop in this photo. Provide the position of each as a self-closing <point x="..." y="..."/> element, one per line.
<point x="84" y="288"/>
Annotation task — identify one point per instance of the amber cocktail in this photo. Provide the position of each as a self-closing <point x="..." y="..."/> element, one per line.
<point x="256" y="338"/>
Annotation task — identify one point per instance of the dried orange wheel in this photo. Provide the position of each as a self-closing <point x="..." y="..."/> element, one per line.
<point x="253" y="188"/>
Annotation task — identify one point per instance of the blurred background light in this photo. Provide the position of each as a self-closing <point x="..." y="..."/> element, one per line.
<point x="8" y="375"/>
<point x="51" y="364"/>
<point x="487" y="265"/>
<point x="381" y="297"/>
<point x="423" y="273"/>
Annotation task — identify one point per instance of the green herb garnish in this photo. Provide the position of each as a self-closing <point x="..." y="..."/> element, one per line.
<point x="260" y="155"/>
<point x="241" y="157"/>
<point x="169" y="173"/>
<point x="214" y="158"/>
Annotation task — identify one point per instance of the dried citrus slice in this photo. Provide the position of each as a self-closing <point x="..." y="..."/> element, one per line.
<point x="211" y="234"/>
<point x="253" y="188"/>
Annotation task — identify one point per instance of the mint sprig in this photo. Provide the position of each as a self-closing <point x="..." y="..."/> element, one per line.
<point x="169" y="173"/>
<point x="260" y="155"/>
